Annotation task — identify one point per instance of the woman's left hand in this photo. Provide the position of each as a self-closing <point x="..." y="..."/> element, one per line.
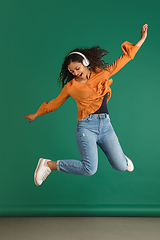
<point x="143" y="35"/>
<point x="144" y="32"/>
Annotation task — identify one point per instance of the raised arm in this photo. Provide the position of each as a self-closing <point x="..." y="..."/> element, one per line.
<point x="143" y="35"/>
<point x="129" y="51"/>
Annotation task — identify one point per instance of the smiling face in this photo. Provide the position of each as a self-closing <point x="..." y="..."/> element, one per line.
<point x="80" y="71"/>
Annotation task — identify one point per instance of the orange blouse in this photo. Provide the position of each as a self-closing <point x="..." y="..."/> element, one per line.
<point x="89" y="95"/>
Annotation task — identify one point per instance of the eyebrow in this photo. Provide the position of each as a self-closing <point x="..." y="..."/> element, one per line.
<point x="74" y="68"/>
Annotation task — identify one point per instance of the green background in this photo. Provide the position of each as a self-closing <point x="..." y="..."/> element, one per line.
<point x="35" y="38"/>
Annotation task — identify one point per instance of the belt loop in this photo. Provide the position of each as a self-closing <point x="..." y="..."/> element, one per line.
<point x="90" y="116"/>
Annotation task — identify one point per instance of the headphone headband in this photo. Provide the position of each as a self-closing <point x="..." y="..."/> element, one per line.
<point x="85" y="60"/>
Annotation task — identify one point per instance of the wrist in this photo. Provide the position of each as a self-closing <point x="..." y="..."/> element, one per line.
<point x="140" y="42"/>
<point x="143" y="39"/>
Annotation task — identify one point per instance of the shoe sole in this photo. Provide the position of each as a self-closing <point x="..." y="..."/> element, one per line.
<point x="132" y="165"/>
<point x="37" y="168"/>
<point x="130" y="170"/>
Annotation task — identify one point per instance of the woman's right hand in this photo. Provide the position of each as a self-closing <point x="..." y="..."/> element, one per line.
<point x="31" y="116"/>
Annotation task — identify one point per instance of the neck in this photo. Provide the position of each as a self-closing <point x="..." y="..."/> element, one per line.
<point x="88" y="75"/>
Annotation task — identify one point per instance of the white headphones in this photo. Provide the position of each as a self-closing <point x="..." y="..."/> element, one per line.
<point x="85" y="60"/>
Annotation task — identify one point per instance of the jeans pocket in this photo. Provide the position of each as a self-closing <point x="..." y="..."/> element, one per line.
<point x="86" y="119"/>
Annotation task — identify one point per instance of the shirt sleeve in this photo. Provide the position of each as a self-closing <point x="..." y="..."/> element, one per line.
<point x="51" y="106"/>
<point x="129" y="51"/>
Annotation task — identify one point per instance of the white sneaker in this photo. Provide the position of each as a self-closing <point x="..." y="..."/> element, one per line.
<point x="130" y="167"/>
<point x="42" y="171"/>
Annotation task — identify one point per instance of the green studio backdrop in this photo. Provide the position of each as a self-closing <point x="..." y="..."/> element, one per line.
<point x="35" y="38"/>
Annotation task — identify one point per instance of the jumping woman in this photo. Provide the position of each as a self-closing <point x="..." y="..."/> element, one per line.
<point x="86" y="78"/>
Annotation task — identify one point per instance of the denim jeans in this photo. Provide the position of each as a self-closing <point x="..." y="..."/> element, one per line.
<point x="93" y="130"/>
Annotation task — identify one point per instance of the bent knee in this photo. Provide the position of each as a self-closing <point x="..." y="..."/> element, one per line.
<point x="90" y="172"/>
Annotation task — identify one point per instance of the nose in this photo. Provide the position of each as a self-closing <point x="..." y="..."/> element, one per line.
<point x="76" y="72"/>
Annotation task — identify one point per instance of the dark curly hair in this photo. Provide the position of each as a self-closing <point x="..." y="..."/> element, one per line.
<point x="93" y="54"/>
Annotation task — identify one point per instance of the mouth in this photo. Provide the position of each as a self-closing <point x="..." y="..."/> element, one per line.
<point x="80" y="75"/>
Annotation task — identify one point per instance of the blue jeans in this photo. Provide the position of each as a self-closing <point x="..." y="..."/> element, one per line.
<point x="93" y="130"/>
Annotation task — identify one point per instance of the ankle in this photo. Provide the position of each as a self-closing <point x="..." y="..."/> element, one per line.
<point x="52" y="165"/>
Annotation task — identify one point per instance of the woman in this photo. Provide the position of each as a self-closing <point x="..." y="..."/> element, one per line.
<point x="85" y="77"/>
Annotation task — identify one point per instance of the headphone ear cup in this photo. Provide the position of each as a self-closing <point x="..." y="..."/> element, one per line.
<point x="86" y="62"/>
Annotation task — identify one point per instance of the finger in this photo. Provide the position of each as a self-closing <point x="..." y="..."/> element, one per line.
<point x="145" y="26"/>
<point x="27" y="116"/>
<point x="145" y="30"/>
